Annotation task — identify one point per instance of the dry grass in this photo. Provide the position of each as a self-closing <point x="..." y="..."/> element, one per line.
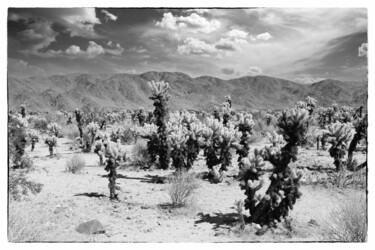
<point x="182" y="188"/>
<point x="140" y="157"/>
<point x="348" y="223"/>
<point x="75" y="164"/>
<point x="25" y="225"/>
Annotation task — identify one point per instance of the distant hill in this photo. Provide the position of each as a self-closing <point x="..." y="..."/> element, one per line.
<point x="127" y="91"/>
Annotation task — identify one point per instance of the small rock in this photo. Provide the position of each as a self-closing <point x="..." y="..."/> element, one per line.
<point x="91" y="227"/>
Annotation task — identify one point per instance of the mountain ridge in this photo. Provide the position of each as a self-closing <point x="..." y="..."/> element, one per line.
<point x="129" y="91"/>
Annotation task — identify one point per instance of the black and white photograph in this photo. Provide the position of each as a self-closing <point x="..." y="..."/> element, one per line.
<point x="187" y="124"/>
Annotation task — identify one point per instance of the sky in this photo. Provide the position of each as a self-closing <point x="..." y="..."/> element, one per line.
<point x="302" y="45"/>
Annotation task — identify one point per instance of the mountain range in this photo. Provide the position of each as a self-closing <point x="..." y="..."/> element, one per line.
<point x="130" y="91"/>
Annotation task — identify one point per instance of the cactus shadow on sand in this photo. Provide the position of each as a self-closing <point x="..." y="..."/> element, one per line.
<point x="220" y="220"/>
<point x="92" y="194"/>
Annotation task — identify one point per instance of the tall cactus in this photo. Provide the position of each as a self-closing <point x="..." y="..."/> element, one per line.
<point x="115" y="155"/>
<point x="79" y="118"/>
<point x="54" y="129"/>
<point x="34" y="138"/>
<point x="161" y="97"/>
<point x="92" y="128"/>
<point x="360" y="126"/>
<point x="339" y="135"/>
<point x="283" y="191"/>
<point x="51" y="141"/>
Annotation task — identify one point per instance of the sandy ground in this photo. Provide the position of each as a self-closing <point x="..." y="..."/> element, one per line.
<point x="143" y="213"/>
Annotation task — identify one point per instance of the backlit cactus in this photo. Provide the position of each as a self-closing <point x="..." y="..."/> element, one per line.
<point x="17" y="139"/>
<point x="34" y="138"/>
<point x="51" y="142"/>
<point x="115" y="156"/>
<point x="244" y="124"/>
<point x="54" y="129"/>
<point x="283" y="192"/>
<point x="92" y="128"/>
<point x="339" y="136"/>
<point x="160" y="97"/>
<point x="360" y="126"/>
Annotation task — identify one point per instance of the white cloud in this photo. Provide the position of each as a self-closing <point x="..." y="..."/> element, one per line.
<point x="115" y="48"/>
<point x="194" y="22"/>
<point x="254" y="71"/>
<point x="93" y="50"/>
<point x="199" y="11"/>
<point x="308" y="79"/>
<point x="264" y="36"/>
<point x="238" y="34"/>
<point x="362" y="50"/>
<point x="80" y="21"/>
<point x="109" y="16"/>
<point x="196" y="47"/>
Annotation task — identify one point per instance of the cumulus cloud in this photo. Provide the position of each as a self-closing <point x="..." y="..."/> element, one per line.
<point x="308" y="79"/>
<point x="93" y="50"/>
<point x="362" y="50"/>
<point x="231" y="40"/>
<point x="264" y="36"/>
<point x="227" y="71"/>
<point x="114" y="48"/>
<point x="75" y="21"/>
<point x="38" y="35"/>
<point x="109" y="16"/>
<point x="194" y="22"/>
<point x="196" y="47"/>
<point x="21" y="68"/>
<point x="254" y="71"/>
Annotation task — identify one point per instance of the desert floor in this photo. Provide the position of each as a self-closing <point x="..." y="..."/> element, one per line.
<point x="144" y="214"/>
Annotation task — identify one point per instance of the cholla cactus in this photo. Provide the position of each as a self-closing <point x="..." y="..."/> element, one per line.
<point x="23" y="110"/>
<point x="115" y="155"/>
<point x="79" y="118"/>
<point x="92" y="128"/>
<point x="283" y="192"/>
<point x="360" y="125"/>
<point x="34" y="138"/>
<point x="141" y="115"/>
<point x="54" y="129"/>
<point x="301" y="105"/>
<point x="244" y="125"/>
<point x="51" y="141"/>
<point x="275" y="139"/>
<point x="339" y="135"/>
<point x="17" y="138"/>
<point x="160" y="97"/>
<point x="310" y="104"/>
<point x="100" y="150"/>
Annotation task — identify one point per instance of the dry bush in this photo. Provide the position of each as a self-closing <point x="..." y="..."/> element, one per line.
<point x="20" y="186"/>
<point x="75" y="164"/>
<point x="140" y="156"/>
<point x="349" y="221"/>
<point x="182" y="188"/>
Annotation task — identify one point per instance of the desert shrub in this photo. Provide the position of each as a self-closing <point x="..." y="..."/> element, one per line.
<point x="20" y="186"/>
<point x="349" y="221"/>
<point x="182" y="188"/>
<point x="140" y="154"/>
<point x="75" y="164"/>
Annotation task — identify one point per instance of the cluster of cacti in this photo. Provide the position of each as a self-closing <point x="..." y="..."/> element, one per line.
<point x="51" y="142"/>
<point x="339" y="135"/>
<point x="226" y="109"/>
<point x="217" y="142"/>
<point x="244" y="124"/>
<point x="34" y="138"/>
<point x="283" y="191"/>
<point x="184" y="130"/>
<point x="54" y="129"/>
<point x="17" y="138"/>
<point x="92" y="128"/>
<point x="115" y="156"/>
<point x="360" y="125"/>
<point x="161" y="97"/>
<point x="141" y="116"/>
<point x="310" y="104"/>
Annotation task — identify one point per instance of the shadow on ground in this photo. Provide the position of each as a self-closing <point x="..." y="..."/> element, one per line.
<point x="92" y="194"/>
<point x="219" y="220"/>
